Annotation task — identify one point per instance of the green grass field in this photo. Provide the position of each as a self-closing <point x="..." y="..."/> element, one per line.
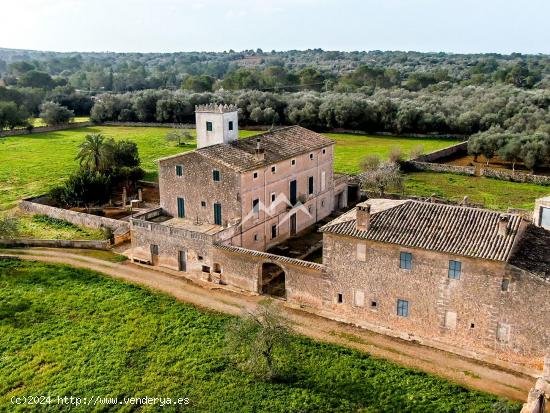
<point x="44" y="227"/>
<point x="32" y="164"/>
<point x="70" y="332"/>
<point x="351" y="149"/>
<point x="492" y="193"/>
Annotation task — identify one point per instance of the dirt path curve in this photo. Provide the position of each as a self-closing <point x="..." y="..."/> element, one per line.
<point x="467" y="372"/>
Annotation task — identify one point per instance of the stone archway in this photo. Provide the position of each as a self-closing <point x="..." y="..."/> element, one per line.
<point x="272" y="280"/>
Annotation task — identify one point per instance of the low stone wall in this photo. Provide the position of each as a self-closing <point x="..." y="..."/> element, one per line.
<point x="150" y="125"/>
<point x="77" y="218"/>
<point x="504" y="175"/>
<point x="441" y="167"/>
<point x="56" y="243"/>
<point x="40" y="129"/>
<point x="460" y="148"/>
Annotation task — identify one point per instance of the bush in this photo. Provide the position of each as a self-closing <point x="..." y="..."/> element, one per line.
<point x="55" y="114"/>
<point x="82" y="188"/>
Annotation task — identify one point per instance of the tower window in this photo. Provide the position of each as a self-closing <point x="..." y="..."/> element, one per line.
<point x="209" y="126"/>
<point x="340" y="298"/>
<point x="179" y="170"/>
<point x="230" y="126"/>
<point x="293" y="162"/>
<point x="216" y="175"/>
<point x="255" y="175"/>
<point x="273" y="169"/>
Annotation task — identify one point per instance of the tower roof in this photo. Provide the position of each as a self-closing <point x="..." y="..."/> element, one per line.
<point x="213" y="108"/>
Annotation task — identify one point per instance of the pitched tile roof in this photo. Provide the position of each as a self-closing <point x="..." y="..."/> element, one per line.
<point x="450" y="229"/>
<point x="272" y="257"/>
<point x="533" y="253"/>
<point x="278" y="145"/>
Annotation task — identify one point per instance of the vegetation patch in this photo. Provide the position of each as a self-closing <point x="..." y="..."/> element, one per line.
<point x="491" y="193"/>
<point x="128" y="341"/>
<point x="45" y="227"/>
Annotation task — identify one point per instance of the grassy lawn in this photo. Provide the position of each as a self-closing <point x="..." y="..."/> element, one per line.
<point x="65" y="331"/>
<point x="492" y="193"/>
<point x="32" y="164"/>
<point x="44" y="227"/>
<point x="39" y="122"/>
<point x="351" y="149"/>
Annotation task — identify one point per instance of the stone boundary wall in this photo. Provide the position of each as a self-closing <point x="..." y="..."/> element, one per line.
<point x="77" y="218"/>
<point x="40" y="129"/>
<point x="441" y="167"/>
<point x="504" y="175"/>
<point x="56" y="243"/>
<point x="150" y="125"/>
<point x="443" y="153"/>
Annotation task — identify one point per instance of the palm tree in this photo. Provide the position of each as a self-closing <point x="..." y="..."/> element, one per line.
<point x="95" y="152"/>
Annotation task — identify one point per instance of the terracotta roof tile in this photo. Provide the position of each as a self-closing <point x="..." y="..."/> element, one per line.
<point x="280" y="144"/>
<point x="451" y="229"/>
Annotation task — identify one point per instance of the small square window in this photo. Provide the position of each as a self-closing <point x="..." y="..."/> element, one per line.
<point x="255" y="175"/>
<point x="273" y="196"/>
<point x="324" y="151"/>
<point x="256" y="206"/>
<point x="209" y="126"/>
<point x="310" y="156"/>
<point x="293" y="162"/>
<point x="273" y="169"/>
<point x="323" y="203"/>
<point x="505" y="285"/>
<point x="199" y="257"/>
<point x="455" y="267"/>
<point x="179" y="170"/>
<point x="340" y="298"/>
<point x="255" y="237"/>
<point x="216" y="175"/>
<point x="203" y="204"/>
<point x="205" y="268"/>
<point x="230" y="125"/>
<point x="373" y="304"/>
<point x="405" y="260"/>
<point x="402" y="308"/>
<point x="273" y="231"/>
<point x="472" y="325"/>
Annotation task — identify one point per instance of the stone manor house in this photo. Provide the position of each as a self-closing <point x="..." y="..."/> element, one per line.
<point x="467" y="280"/>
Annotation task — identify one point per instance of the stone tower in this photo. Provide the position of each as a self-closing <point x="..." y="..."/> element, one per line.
<point x="216" y="124"/>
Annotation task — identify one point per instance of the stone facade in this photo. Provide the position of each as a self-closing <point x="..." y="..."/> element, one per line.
<point x="468" y="313"/>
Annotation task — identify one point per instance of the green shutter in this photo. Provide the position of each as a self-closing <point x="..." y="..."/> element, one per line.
<point x="181" y="208"/>
<point x="217" y="214"/>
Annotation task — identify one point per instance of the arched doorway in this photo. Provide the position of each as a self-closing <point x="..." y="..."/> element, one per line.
<point x="273" y="280"/>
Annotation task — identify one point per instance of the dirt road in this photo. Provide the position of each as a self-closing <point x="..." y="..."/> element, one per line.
<point x="470" y="373"/>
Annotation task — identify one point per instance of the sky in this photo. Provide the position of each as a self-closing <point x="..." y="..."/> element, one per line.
<point x="458" y="26"/>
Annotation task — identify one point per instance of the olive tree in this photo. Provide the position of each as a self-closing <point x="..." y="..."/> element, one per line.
<point x="381" y="176"/>
<point x="257" y="340"/>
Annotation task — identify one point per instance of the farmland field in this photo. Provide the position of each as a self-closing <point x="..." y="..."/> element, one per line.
<point x="32" y="164"/>
<point x="492" y="193"/>
<point x="351" y="149"/>
<point x="66" y="331"/>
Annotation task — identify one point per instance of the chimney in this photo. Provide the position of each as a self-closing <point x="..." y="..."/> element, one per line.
<point x="363" y="217"/>
<point x="260" y="154"/>
<point x="503" y="225"/>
